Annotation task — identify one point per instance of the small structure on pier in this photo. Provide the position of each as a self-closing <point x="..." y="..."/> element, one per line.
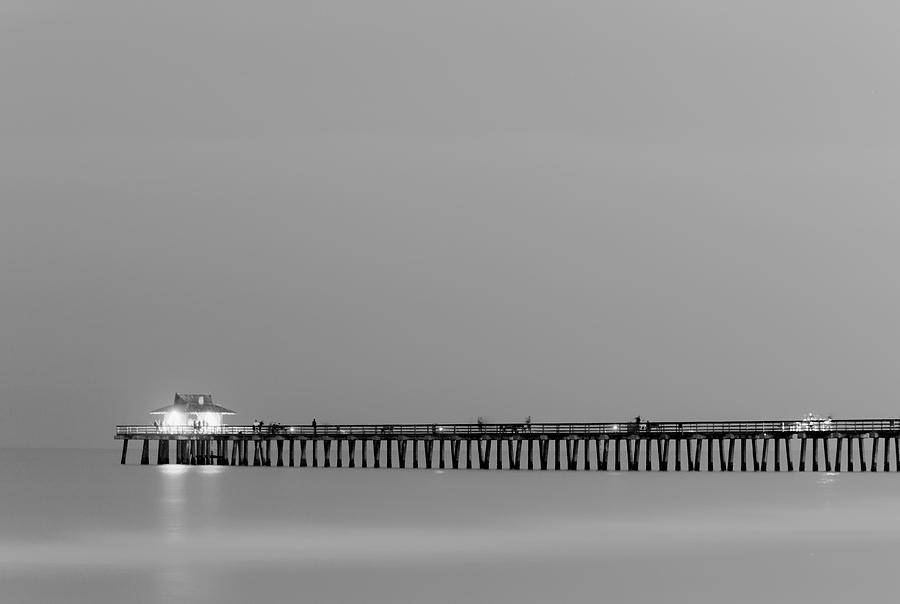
<point x="192" y="409"/>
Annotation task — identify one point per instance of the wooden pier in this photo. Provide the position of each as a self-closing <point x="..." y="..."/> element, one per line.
<point x="871" y="445"/>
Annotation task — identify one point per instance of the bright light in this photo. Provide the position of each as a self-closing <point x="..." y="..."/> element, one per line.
<point x="211" y="419"/>
<point x="174" y="418"/>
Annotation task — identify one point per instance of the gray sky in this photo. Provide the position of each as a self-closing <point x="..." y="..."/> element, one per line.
<point x="416" y="211"/>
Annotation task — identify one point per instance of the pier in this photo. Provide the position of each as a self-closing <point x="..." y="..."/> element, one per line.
<point x="856" y="445"/>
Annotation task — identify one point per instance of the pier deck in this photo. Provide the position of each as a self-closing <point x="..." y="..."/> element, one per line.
<point x="832" y="445"/>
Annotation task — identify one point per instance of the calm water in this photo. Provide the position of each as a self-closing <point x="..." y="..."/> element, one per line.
<point x="77" y="527"/>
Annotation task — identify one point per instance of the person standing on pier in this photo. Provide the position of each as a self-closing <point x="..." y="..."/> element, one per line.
<point x="314" y="425"/>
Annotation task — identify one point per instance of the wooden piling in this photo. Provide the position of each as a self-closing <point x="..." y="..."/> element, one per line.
<point x="698" y="447"/>
<point x="777" y="454"/>
<point x="376" y="452"/>
<point x="677" y="454"/>
<point x="604" y="461"/>
<point x="851" y="462"/>
<point x="826" y="453"/>
<point x="544" y="452"/>
<point x="388" y="444"/>
<point x="124" y="449"/>
<point x="145" y="452"/>
<point x="618" y="460"/>
<point x="723" y="464"/>
<point x="279" y="444"/>
<point x="815" y="454"/>
<point x="862" y="456"/>
<point x="803" y="453"/>
<point x="415" y="449"/>
<point x="873" y="467"/>
<point x="339" y="457"/>
<point x="765" y="454"/>
<point x="731" y="454"/>
<point x="401" y="451"/>
<point x="837" y="454"/>
<point x="364" y="453"/>
<point x="291" y="454"/>
<point x="557" y="459"/>
<point x="303" y="442"/>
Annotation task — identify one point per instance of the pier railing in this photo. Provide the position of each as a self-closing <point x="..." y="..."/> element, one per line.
<point x="643" y="428"/>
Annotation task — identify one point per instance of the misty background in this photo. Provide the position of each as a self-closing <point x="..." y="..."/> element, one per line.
<point x="418" y="211"/>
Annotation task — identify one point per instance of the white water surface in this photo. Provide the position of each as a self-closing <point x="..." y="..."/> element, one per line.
<point x="77" y="527"/>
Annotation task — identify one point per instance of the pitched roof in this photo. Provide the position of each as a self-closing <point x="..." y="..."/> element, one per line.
<point x="193" y="403"/>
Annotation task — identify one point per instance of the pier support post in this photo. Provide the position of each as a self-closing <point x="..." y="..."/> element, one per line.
<point x="193" y="454"/>
<point x="873" y="467"/>
<point x="837" y="454"/>
<point x="765" y="454"/>
<point x="364" y="452"/>
<point x="469" y="453"/>
<point x="291" y="453"/>
<point x="777" y="454"/>
<point x="648" y="449"/>
<point x="279" y="444"/>
<point x="897" y="453"/>
<point x="604" y="460"/>
<point x="587" y="453"/>
<point x="815" y="454"/>
<point x="803" y="453"/>
<point x="754" y="452"/>
<point x="429" y="449"/>
<point x="389" y="445"/>
<point x="162" y="451"/>
<point x="558" y="457"/>
<point x="743" y="454"/>
<point x="677" y="454"/>
<point x="145" y="453"/>
<point x="314" y="445"/>
<point x="486" y="460"/>
<point x="723" y="465"/>
<point x="543" y="451"/>
<point x="787" y="453"/>
<point x="326" y="452"/>
<point x="618" y="460"/>
<point x="862" y="456"/>
<point x="887" y="456"/>
<point x="415" y="448"/>
<point x="257" y="448"/>
<point x="530" y="453"/>
<point x="850" y="461"/>
<point x="234" y="450"/>
<point x="629" y="454"/>
<point x="376" y="452"/>
<point x="637" y="453"/>
<point x="455" y="445"/>
<point x="499" y="454"/>
<point x="690" y="453"/>
<point x="698" y="447"/>
<point x="303" y="453"/>
<point x="339" y="445"/>
<point x="664" y="464"/>
<point x="124" y="449"/>
<point x="826" y="443"/>
<point x="731" y="453"/>
<point x="401" y="451"/>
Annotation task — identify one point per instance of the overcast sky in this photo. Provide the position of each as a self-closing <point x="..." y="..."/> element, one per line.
<point x="418" y="211"/>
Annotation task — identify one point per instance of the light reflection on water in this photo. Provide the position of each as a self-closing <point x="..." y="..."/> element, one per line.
<point x="217" y="534"/>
